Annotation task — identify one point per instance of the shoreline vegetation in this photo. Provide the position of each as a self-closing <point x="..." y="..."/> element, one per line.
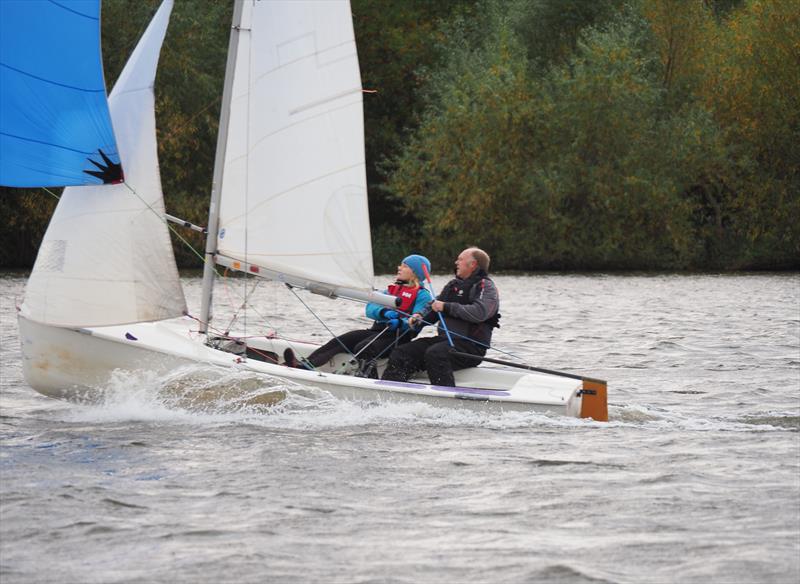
<point x="559" y="135"/>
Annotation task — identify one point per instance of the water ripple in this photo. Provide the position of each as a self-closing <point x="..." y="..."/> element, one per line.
<point x="211" y="475"/>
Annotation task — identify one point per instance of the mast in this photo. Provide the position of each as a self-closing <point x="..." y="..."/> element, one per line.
<point x="219" y="164"/>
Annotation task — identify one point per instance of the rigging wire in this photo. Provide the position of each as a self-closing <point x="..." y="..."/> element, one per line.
<point x="157" y="214"/>
<point x="245" y="300"/>
<point x="245" y="304"/>
<point x="374" y="360"/>
<point x="52" y="193"/>
<point x="274" y="334"/>
<point x="314" y="314"/>
<point x="292" y="288"/>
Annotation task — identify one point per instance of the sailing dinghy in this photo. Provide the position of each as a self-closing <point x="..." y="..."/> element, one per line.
<point x="289" y="203"/>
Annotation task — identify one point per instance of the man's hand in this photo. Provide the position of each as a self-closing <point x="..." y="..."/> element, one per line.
<point x="437" y="306"/>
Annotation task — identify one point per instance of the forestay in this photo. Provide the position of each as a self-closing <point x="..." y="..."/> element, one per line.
<point x="106" y="257"/>
<point x="54" y="117"/>
<point x="294" y="197"/>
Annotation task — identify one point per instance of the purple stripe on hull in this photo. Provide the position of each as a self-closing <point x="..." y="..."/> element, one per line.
<point x="444" y="388"/>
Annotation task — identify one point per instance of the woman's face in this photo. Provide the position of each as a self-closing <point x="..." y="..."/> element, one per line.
<point x="405" y="273"/>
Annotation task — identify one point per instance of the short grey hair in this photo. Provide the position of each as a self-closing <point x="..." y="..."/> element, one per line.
<point x="481" y="258"/>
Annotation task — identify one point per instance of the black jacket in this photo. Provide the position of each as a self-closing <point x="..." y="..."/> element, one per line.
<point x="471" y="308"/>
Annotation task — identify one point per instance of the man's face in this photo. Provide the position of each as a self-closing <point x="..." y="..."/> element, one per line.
<point x="465" y="264"/>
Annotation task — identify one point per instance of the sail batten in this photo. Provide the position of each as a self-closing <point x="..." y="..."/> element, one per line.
<point x="325" y="100"/>
<point x="294" y="196"/>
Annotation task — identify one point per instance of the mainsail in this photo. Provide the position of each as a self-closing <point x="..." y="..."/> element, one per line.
<point x="294" y="197"/>
<point x="55" y="128"/>
<point x="106" y="257"/>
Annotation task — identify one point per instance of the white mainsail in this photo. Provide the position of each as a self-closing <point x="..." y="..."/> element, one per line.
<point x="106" y="257"/>
<point x="294" y="196"/>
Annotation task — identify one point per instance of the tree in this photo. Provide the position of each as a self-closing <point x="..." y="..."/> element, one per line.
<point x="681" y="29"/>
<point x="397" y="45"/>
<point x="752" y="87"/>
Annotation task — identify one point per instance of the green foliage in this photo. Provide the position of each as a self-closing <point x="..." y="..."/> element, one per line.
<point x="612" y="154"/>
<point x="389" y="245"/>
<point x="567" y="134"/>
<point x="753" y="89"/>
<point x="459" y="173"/>
<point x="25" y="214"/>
<point x="550" y="29"/>
<point x="397" y="42"/>
<point x="610" y="157"/>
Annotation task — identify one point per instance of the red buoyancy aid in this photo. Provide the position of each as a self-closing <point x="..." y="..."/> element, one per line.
<point x="407" y="296"/>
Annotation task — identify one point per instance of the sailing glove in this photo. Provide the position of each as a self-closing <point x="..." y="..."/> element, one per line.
<point x="395" y="323"/>
<point x="390" y="314"/>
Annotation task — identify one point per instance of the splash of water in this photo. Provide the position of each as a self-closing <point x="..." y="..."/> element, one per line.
<point x="206" y="395"/>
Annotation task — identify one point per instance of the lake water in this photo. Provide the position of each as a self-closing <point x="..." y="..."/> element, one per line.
<point x="696" y="478"/>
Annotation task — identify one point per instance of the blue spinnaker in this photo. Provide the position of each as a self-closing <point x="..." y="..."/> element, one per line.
<point x="55" y="127"/>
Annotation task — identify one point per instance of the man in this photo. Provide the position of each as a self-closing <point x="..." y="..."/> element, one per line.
<point x="469" y="305"/>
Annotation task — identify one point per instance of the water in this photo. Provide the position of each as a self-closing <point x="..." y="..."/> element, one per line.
<point x="696" y="478"/>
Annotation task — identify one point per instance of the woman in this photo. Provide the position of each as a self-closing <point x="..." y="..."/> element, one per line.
<point x="391" y="325"/>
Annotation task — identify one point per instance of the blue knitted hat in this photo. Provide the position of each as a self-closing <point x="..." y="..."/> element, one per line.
<point x="415" y="262"/>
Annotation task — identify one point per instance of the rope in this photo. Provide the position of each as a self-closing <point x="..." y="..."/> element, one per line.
<point x="275" y="332"/>
<point x="374" y="360"/>
<point x="52" y="193"/>
<point x="375" y="338"/>
<point x="244" y="301"/>
<point x="217" y="331"/>
<point x="223" y="334"/>
<point x="157" y="214"/>
<point x="191" y="119"/>
<point x="488" y="347"/>
<point x="170" y="227"/>
<point x="291" y="288"/>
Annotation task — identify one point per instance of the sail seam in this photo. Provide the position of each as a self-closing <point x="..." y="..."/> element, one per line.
<point x="294" y="188"/>
<point x="32" y="76"/>
<point x="354" y="253"/>
<point x="53" y="2"/>
<point x="292" y="125"/>
<point x="150" y="88"/>
<point x="45" y="143"/>
<point x="316" y="54"/>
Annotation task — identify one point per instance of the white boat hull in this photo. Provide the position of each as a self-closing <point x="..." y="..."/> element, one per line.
<point x="78" y="365"/>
